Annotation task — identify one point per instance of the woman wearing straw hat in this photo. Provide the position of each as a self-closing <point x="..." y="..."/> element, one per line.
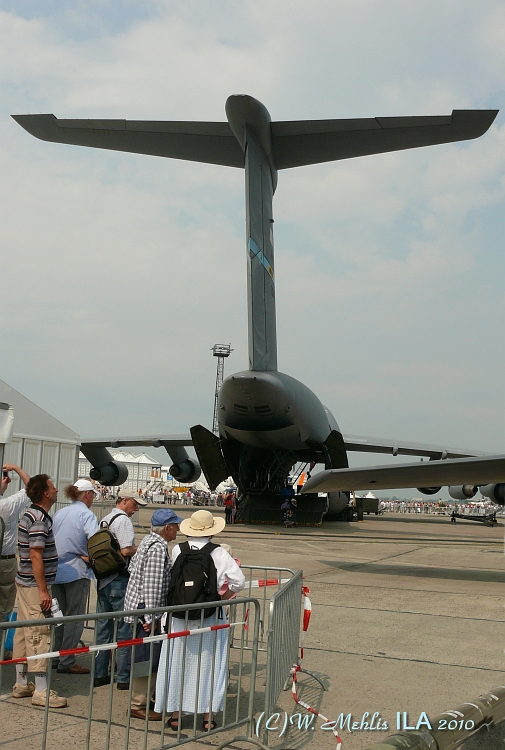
<point x="202" y="655"/>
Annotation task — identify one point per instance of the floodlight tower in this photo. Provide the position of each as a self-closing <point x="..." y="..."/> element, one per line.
<point x="221" y="351"/>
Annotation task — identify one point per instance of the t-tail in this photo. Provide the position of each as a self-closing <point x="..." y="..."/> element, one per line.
<point x="250" y="123"/>
<point x="250" y="140"/>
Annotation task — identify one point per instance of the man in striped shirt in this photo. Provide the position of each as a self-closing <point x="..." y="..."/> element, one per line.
<point x="38" y="563"/>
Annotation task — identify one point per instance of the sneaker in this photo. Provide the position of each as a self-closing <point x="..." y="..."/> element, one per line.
<point x="55" y="700"/>
<point x="23" y="691"/>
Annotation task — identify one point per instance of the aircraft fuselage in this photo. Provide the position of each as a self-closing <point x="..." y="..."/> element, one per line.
<point x="272" y="410"/>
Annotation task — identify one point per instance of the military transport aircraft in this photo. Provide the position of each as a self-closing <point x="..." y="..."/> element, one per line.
<point x="268" y="421"/>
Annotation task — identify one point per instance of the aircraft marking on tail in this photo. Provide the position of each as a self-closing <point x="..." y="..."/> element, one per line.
<point x="256" y="252"/>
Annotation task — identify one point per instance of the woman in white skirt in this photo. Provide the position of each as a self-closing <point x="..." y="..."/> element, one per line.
<point x="199" y="529"/>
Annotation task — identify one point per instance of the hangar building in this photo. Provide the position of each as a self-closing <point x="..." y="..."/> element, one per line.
<point x="40" y="444"/>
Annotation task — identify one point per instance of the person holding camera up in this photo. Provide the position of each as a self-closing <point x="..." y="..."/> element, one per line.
<point x="10" y="510"/>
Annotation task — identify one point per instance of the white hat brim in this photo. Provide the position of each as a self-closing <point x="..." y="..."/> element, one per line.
<point x="216" y="528"/>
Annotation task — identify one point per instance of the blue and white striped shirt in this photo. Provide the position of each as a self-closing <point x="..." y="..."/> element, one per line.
<point x="35" y="529"/>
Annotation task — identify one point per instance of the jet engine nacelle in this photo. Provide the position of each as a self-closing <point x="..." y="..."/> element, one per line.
<point x="463" y="492"/>
<point x="336" y="502"/>
<point x="429" y="490"/>
<point x="186" y="471"/>
<point x="495" y="492"/>
<point x="111" y="474"/>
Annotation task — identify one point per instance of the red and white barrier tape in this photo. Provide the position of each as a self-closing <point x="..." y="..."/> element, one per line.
<point x="121" y="644"/>
<point x="313" y="710"/>
<point x="307" y="611"/>
<point x="261" y="583"/>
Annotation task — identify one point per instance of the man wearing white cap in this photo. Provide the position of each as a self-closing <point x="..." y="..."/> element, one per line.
<point x="72" y="527"/>
<point x="111" y="590"/>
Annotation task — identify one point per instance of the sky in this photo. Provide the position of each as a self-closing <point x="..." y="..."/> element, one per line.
<point x="119" y="272"/>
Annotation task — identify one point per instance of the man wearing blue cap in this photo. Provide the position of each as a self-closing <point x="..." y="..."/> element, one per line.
<point x="147" y="587"/>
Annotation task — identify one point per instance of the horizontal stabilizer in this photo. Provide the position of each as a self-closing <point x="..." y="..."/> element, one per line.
<point x="208" y="142"/>
<point x="302" y="142"/>
<point x="476" y="471"/>
<point x="294" y="144"/>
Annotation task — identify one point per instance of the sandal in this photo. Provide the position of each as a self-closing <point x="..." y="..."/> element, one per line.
<point x="173" y="723"/>
<point x="208" y="726"/>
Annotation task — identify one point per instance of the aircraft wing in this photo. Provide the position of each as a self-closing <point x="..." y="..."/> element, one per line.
<point x="475" y="471"/>
<point x="356" y="443"/>
<point x="156" y="441"/>
<point x="302" y="142"/>
<point x="364" y="444"/>
<point x="208" y="142"/>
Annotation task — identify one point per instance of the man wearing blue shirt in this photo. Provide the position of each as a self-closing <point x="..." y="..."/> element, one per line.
<point x="72" y="528"/>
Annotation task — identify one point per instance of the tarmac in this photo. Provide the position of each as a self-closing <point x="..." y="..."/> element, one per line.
<point x="407" y="617"/>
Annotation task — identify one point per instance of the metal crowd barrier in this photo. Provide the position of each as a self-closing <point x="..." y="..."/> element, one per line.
<point x="263" y="583"/>
<point x="199" y="666"/>
<point x="283" y="643"/>
<point x="283" y="637"/>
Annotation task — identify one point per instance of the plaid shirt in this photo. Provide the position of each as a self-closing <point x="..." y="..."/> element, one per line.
<point x="149" y="570"/>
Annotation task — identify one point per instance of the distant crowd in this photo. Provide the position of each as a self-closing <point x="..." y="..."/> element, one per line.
<point x="227" y="498"/>
<point x="435" y="509"/>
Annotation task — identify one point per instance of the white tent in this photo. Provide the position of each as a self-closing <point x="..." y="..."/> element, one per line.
<point x="40" y="443"/>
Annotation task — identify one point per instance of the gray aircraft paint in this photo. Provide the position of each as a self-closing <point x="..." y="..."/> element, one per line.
<point x="262" y="409"/>
<point x="260" y="262"/>
<point x="251" y="125"/>
<point x="460" y="471"/>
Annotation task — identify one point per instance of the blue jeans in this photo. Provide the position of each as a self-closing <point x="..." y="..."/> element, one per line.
<point x="111" y="599"/>
<point x="72" y="598"/>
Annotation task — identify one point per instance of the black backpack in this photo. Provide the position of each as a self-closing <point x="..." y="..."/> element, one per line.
<point x="194" y="579"/>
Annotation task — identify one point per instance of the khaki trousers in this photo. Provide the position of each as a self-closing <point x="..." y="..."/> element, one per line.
<point x="8" y="570"/>
<point x="31" y="641"/>
<point x="139" y="691"/>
